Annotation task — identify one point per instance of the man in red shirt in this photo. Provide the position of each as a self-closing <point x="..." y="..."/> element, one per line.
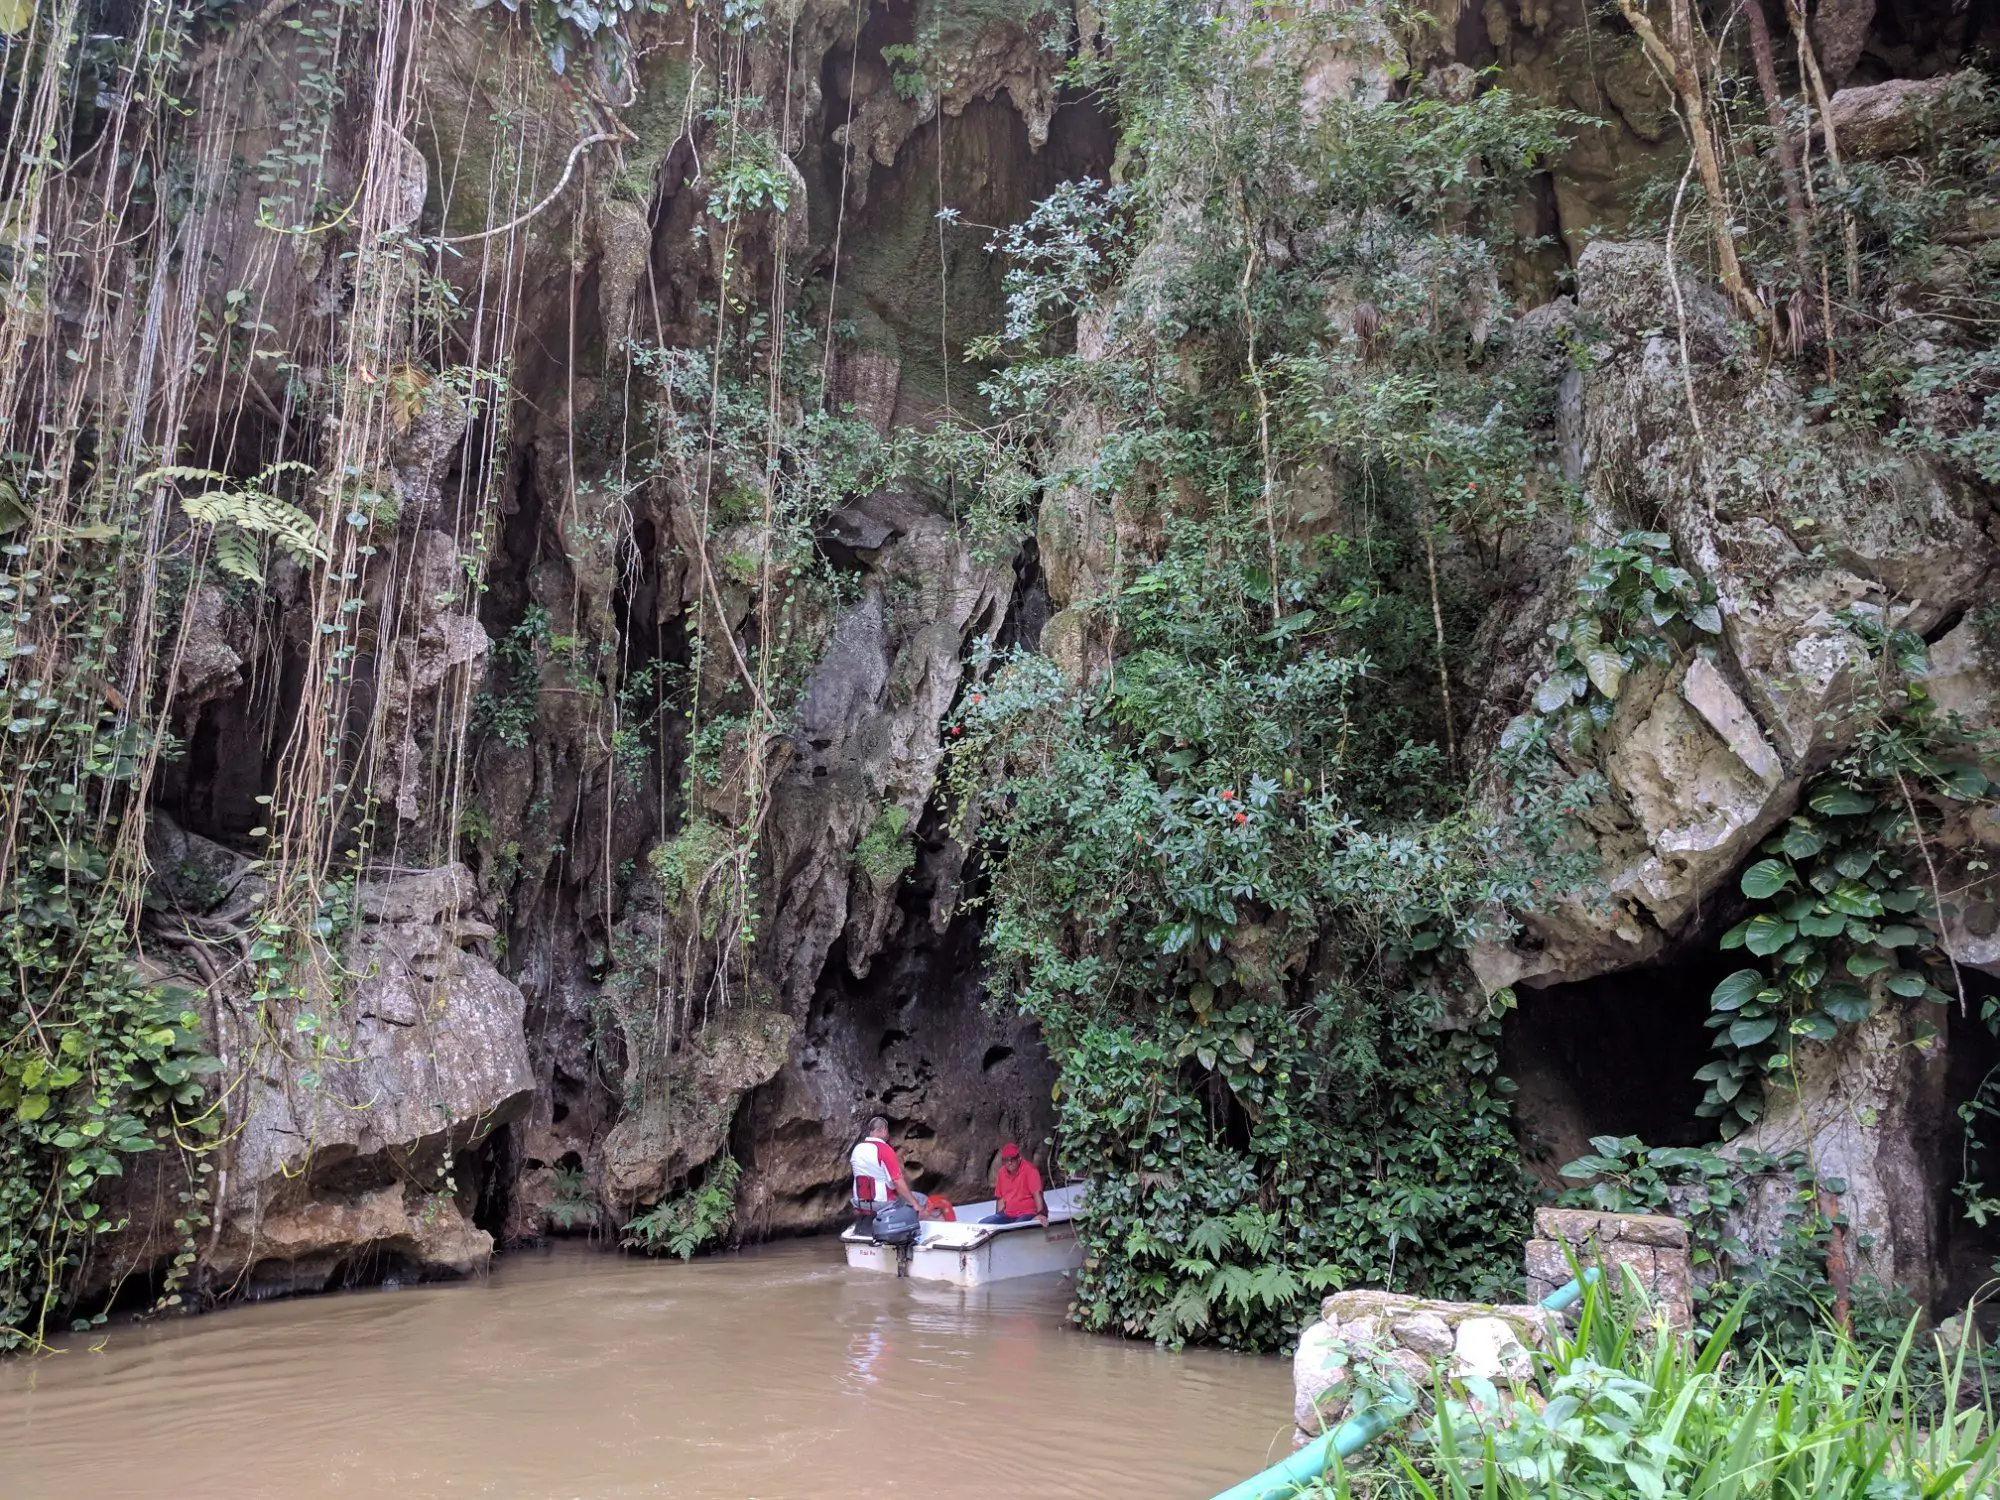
<point x="1017" y="1190"/>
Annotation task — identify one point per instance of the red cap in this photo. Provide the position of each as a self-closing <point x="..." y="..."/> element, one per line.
<point x="1009" y="1150"/>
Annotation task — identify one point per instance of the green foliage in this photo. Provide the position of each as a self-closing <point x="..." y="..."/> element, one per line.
<point x="1834" y="913"/>
<point x="1065" y="253"/>
<point x="571" y="28"/>
<point x="1839" y="898"/>
<point x="688" y="861"/>
<point x="906" y="71"/>
<point x="1635" y="605"/>
<point x="573" y="1202"/>
<point x="96" y="1065"/>
<point x="1236" y="873"/>
<point x="1632" y="1411"/>
<point x="689" y="1221"/>
<point x="748" y="178"/>
<point x="884" y="852"/>
<point x="1779" y="1294"/>
<point x="1239" y="976"/>
<point x="244" y="515"/>
<point x="1904" y="232"/>
<point x="510" y="707"/>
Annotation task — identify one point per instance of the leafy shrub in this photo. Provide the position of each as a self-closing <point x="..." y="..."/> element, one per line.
<point x="689" y="1221"/>
<point x="1636" y="605"/>
<point x="1234" y="877"/>
<point x="884" y="852"/>
<point x="1637" y="1413"/>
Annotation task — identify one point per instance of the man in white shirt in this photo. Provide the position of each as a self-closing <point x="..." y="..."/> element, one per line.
<point x="878" y="1175"/>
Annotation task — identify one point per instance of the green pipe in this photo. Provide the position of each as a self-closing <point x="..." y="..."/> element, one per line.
<point x="1285" y="1478"/>
<point x="1306" y="1465"/>
<point x="1571" y="1292"/>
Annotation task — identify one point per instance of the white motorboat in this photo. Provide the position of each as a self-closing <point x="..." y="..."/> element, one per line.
<point x="968" y="1253"/>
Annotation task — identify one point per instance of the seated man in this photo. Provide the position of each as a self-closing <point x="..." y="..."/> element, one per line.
<point x="1017" y="1190"/>
<point x="878" y="1175"/>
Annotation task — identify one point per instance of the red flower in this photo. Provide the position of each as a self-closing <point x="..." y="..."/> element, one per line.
<point x="956" y="730"/>
<point x="1227" y="794"/>
<point x="1243" y="817"/>
<point x="975" y="698"/>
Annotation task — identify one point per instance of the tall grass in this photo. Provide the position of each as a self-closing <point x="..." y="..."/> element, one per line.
<point x="1638" y="1413"/>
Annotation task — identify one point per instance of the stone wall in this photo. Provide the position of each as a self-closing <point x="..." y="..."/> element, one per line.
<point x="1653" y="1246"/>
<point x="1367" y="1343"/>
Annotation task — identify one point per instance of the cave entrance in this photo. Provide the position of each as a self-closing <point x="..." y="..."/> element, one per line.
<point x="1614" y="1055"/>
<point x="1969" y="1252"/>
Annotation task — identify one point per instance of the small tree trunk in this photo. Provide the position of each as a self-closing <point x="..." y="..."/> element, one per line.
<point x="1781" y="138"/>
<point x="1677" y="62"/>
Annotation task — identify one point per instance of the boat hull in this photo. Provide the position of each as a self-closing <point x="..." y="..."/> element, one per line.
<point x="969" y="1254"/>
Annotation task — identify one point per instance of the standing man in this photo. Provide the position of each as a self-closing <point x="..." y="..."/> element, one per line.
<point x="1017" y="1190"/>
<point x="878" y="1175"/>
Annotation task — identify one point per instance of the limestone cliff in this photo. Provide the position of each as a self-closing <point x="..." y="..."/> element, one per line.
<point x="633" y="845"/>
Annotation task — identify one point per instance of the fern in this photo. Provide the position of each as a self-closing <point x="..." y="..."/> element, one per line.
<point x="238" y="556"/>
<point x="245" y="514"/>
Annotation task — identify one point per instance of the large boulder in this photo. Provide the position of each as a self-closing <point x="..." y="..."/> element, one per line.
<point x="1805" y="530"/>
<point x="405" y="1049"/>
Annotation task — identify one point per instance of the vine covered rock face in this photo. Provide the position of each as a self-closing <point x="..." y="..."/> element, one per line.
<point x="604" y="592"/>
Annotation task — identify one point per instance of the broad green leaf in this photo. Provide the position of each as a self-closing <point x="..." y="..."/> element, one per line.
<point x="1963" y="781"/>
<point x="1906" y="982"/>
<point x="1801" y="840"/>
<point x="1765" y="935"/>
<point x="1841" y="802"/>
<point x="1708" y="618"/>
<point x="1861" y="965"/>
<point x="1557" y="689"/>
<point x="1736" y="989"/>
<point x="1854" y="899"/>
<point x="1606" y="668"/>
<point x="1898" y="935"/>
<point x="1822" y="924"/>
<point x="1752" y="1030"/>
<point x="1846" y="1003"/>
<point x="32" y="1106"/>
<point x="1855" y="862"/>
<point x="1766" y="878"/>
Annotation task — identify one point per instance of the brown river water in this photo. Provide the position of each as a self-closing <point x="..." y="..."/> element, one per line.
<point x="776" y="1374"/>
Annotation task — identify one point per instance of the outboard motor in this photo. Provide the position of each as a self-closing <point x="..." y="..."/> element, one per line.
<point x="896" y="1225"/>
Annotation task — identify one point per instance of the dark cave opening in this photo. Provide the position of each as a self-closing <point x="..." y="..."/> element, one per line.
<point x="1969" y="1144"/>
<point x="1614" y="1055"/>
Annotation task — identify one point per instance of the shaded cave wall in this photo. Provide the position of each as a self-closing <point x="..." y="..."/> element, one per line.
<point x="885" y="984"/>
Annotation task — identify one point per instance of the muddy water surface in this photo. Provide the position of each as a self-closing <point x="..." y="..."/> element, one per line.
<point x="774" y="1375"/>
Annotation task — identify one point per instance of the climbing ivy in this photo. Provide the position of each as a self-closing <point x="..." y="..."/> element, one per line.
<point x="96" y="1064"/>
<point x="1842" y="899"/>
<point x="1836" y="913"/>
<point x="1635" y="604"/>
